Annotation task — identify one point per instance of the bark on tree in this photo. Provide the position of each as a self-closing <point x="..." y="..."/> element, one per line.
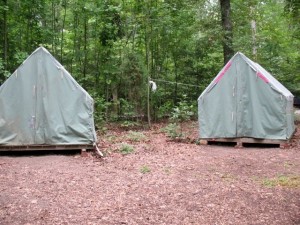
<point x="227" y="28"/>
<point x="62" y="31"/>
<point x="253" y="30"/>
<point x="85" y="33"/>
<point x="5" y="41"/>
<point x="53" y="26"/>
<point x="147" y="48"/>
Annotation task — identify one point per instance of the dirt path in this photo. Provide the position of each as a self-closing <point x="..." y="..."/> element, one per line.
<point x="160" y="182"/>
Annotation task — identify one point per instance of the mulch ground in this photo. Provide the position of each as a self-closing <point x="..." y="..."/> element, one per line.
<point x="158" y="181"/>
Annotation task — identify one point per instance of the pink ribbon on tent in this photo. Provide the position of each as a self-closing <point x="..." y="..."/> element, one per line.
<point x="226" y="67"/>
<point x="261" y="76"/>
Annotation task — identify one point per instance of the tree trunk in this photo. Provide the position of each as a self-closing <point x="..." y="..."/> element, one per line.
<point x="53" y="26"/>
<point x="176" y="80"/>
<point x="5" y="39"/>
<point x="62" y="31"/>
<point x="147" y="42"/>
<point x="85" y="30"/>
<point x="253" y="30"/>
<point x="75" y="44"/>
<point x="227" y="28"/>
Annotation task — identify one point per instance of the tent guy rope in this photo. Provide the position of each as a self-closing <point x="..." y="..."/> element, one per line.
<point x="172" y="82"/>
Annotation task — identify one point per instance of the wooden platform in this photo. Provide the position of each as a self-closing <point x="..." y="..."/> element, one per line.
<point x="45" y="147"/>
<point x="239" y="142"/>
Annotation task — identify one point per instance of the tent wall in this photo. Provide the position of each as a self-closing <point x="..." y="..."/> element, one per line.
<point x="215" y="120"/>
<point x="42" y="104"/>
<point x="290" y="125"/>
<point x="243" y="103"/>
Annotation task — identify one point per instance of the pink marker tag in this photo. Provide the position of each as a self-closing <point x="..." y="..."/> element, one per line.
<point x="223" y="72"/>
<point x="261" y="76"/>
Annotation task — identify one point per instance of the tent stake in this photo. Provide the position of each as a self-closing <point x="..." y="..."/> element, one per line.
<point x="98" y="150"/>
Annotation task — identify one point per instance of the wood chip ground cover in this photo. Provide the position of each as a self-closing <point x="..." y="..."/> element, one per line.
<point x="160" y="182"/>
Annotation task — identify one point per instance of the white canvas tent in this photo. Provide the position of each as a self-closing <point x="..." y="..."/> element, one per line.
<point x="244" y="100"/>
<point x="41" y="104"/>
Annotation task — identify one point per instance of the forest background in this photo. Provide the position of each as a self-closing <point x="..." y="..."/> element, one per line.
<point x="114" y="47"/>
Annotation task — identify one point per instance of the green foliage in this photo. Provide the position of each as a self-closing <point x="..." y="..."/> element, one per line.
<point x="136" y="136"/>
<point x="129" y="124"/>
<point x="100" y="106"/>
<point x="126" y="108"/>
<point x="172" y="130"/>
<point x="111" y="138"/>
<point x="275" y="37"/>
<point x="282" y="181"/>
<point x="164" y="110"/>
<point x="126" y="149"/>
<point x="292" y="9"/>
<point x="133" y="78"/>
<point x="145" y="169"/>
<point x="1" y="67"/>
<point x="183" y="112"/>
<point x="19" y="57"/>
<point x="5" y="74"/>
<point x="112" y="46"/>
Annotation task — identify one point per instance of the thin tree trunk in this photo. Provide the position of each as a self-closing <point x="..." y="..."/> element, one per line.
<point x="75" y="25"/>
<point x="98" y="58"/>
<point x="227" y="28"/>
<point x="5" y="38"/>
<point x="147" y="40"/>
<point x="85" y="46"/>
<point x="253" y="29"/>
<point x="53" y="26"/>
<point x="176" y="80"/>
<point x="152" y="50"/>
<point x="62" y="31"/>
<point x="28" y="25"/>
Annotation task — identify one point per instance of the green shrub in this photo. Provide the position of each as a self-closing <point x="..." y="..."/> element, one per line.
<point x="172" y="130"/>
<point x="145" y="169"/>
<point x="183" y="112"/>
<point x="283" y="181"/>
<point x="126" y="149"/>
<point x="129" y="124"/>
<point x="136" y="136"/>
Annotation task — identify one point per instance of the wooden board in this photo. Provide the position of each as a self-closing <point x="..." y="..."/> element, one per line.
<point x="44" y="147"/>
<point x="240" y="141"/>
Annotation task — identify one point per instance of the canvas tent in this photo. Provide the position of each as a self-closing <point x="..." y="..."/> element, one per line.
<point x="244" y="100"/>
<point x="41" y="104"/>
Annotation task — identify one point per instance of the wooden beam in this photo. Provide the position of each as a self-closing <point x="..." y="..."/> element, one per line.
<point x="44" y="147"/>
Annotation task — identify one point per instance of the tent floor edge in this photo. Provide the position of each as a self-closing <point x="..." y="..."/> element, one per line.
<point x="246" y="142"/>
<point x="59" y="147"/>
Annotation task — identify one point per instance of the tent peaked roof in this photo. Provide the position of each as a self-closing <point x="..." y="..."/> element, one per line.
<point x="41" y="103"/>
<point x="43" y="51"/>
<point x="264" y="74"/>
<point x="258" y="69"/>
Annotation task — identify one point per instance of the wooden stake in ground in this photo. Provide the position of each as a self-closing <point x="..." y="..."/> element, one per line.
<point x="148" y="104"/>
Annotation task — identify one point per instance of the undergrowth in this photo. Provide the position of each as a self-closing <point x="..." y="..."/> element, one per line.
<point x="145" y="169"/>
<point x="126" y="149"/>
<point x="289" y="181"/>
<point x="136" y="136"/>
